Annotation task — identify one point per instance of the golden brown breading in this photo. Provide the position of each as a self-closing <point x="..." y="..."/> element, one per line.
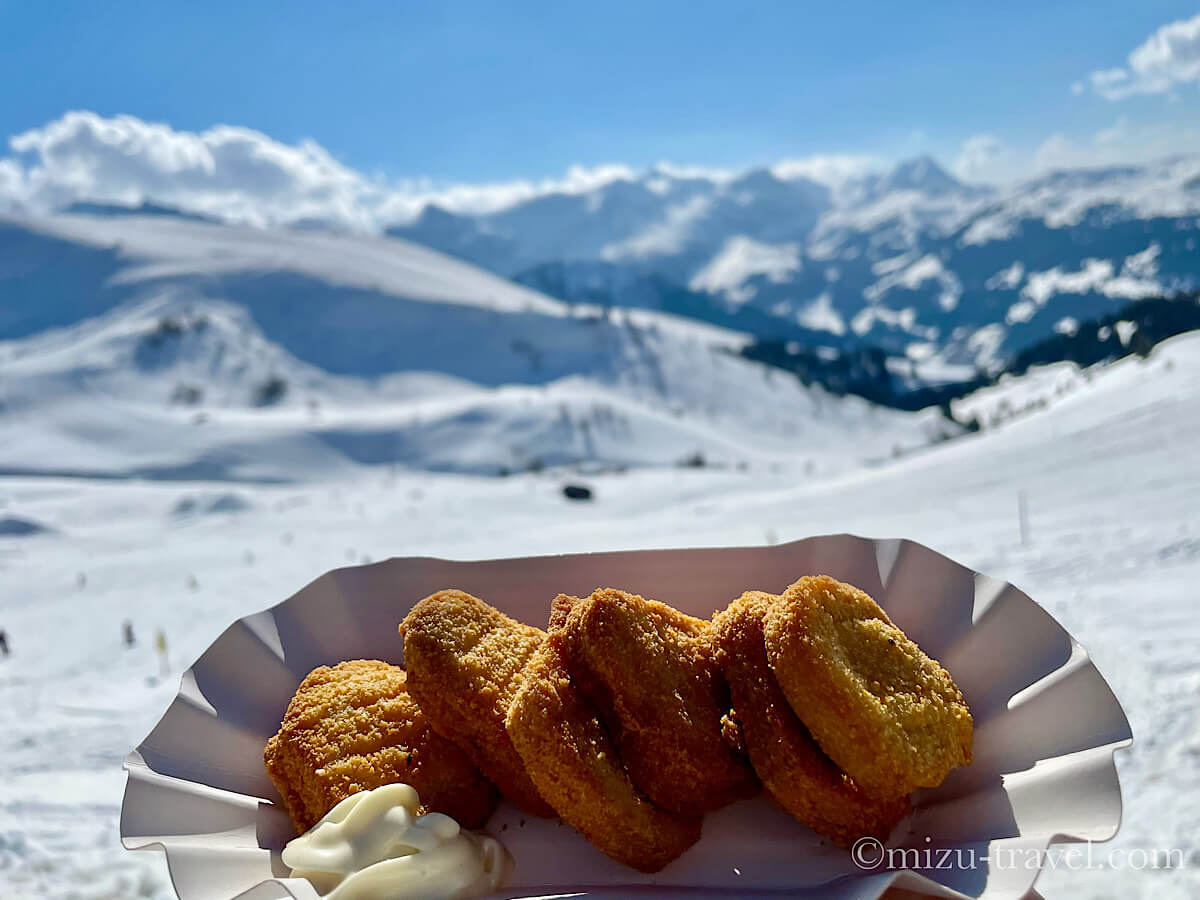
<point x="650" y="672"/>
<point x="568" y="754"/>
<point x="353" y="727"/>
<point x="881" y="709"/>
<point x="464" y="659"/>
<point x="560" y="608"/>
<point x="794" y="771"/>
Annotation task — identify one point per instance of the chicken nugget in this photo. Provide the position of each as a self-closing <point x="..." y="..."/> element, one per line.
<point x="560" y="608"/>
<point x="464" y="659"/>
<point x="354" y="727"/>
<point x="794" y="771"/>
<point x="571" y="759"/>
<point x="887" y="714"/>
<point x="650" y="671"/>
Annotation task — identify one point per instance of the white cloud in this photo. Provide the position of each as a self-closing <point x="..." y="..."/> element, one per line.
<point x="243" y="175"/>
<point x="711" y="173"/>
<point x="406" y="199"/>
<point x="1119" y="143"/>
<point x="1118" y="131"/>
<point x="986" y="158"/>
<point x="12" y="184"/>
<point x="1169" y="57"/>
<point x="1110" y="83"/>
<point x="237" y="174"/>
<point x="227" y="171"/>
<point x="833" y="169"/>
<point x="977" y="156"/>
<point x="580" y="179"/>
<point x="1054" y="152"/>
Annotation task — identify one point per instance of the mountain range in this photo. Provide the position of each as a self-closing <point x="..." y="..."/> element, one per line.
<point x="154" y="346"/>
<point x="654" y="321"/>
<point x="914" y="261"/>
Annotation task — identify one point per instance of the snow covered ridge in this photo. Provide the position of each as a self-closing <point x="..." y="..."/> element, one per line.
<point x="908" y="258"/>
<point x="169" y="349"/>
<point x="1059" y="386"/>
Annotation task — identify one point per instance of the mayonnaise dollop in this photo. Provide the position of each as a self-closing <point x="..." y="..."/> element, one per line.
<point x="374" y="846"/>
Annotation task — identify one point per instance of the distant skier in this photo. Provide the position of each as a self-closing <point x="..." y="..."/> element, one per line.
<point x="3" y="642"/>
<point x="127" y="633"/>
<point x="160" y="644"/>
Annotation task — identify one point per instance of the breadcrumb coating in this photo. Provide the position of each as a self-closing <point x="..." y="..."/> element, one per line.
<point x="651" y="673"/>
<point x="354" y="727"/>
<point x="794" y="771"/>
<point x="464" y="661"/>
<point x="575" y="766"/>
<point x="887" y="714"/>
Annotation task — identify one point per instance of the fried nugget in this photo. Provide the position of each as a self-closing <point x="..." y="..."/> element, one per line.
<point x="650" y="671"/>
<point x="886" y="713"/>
<point x="353" y="727"/>
<point x="560" y="608"/>
<point x="571" y="759"/>
<point x="794" y="771"/>
<point x="464" y="659"/>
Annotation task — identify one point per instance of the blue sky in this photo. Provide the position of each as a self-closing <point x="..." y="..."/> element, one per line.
<point x="494" y="91"/>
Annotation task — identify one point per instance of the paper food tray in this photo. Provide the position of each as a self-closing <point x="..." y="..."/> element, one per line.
<point x="1046" y="727"/>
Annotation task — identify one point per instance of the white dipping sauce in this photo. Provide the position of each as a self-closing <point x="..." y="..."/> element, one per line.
<point x="374" y="846"/>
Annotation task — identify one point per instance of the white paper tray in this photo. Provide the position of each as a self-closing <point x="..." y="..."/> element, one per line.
<point x="1046" y="726"/>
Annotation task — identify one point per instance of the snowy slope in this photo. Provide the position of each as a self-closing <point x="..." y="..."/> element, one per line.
<point x="209" y="351"/>
<point x="1110" y="472"/>
<point x="182" y="389"/>
<point x="310" y="291"/>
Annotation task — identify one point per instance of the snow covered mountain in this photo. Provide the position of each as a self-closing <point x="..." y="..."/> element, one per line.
<point x="676" y="221"/>
<point x="1109" y="471"/>
<point x="141" y="350"/>
<point x="152" y="346"/>
<point x="911" y="260"/>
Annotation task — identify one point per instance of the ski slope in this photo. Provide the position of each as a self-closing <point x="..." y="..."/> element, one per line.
<point x="200" y="350"/>
<point x="1108" y="466"/>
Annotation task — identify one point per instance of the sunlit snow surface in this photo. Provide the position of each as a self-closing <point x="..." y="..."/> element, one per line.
<point x="135" y="347"/>
<point x="1109" y="467"/>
